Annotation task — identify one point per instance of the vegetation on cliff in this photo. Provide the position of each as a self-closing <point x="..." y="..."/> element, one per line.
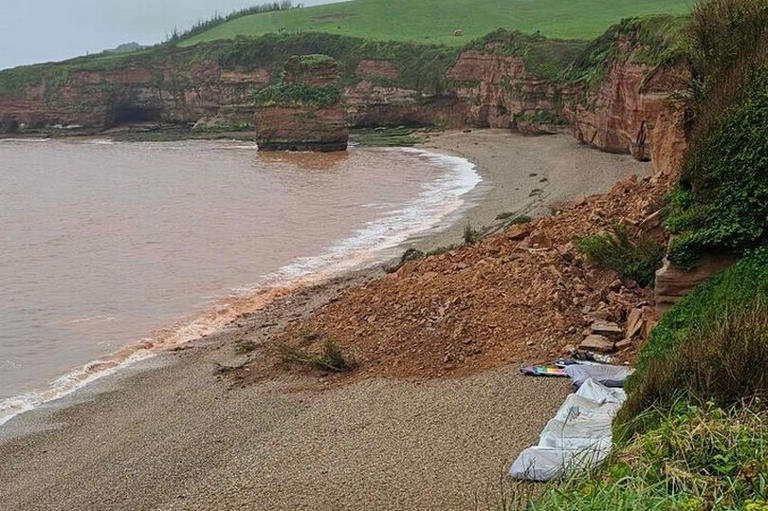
<point x="692" y="434"/>
<point x="548" y="58"/>
<point x="291" y="95"/>
<point x="721" y="204"/>
<point x="437" y="21"/>
<point x="712" y="345"/>
<point x="652" y="40"/>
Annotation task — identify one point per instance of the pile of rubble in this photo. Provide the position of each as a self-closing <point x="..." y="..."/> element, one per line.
<point x="607" y="337"/>
<point x="525" y="294"/>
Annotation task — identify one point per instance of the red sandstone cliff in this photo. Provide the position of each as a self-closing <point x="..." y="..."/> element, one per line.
<point x="630" y="111"/>
<point x="163" y="92"/>
<point x="499" y="89"/>
<point x="304" y="111"/>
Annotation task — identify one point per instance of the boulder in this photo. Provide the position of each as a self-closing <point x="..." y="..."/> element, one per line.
<point x="606" y="328"/>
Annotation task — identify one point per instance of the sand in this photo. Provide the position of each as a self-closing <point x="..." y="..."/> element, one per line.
<point x="526" y="175"/>
<point x="175" y="433"/>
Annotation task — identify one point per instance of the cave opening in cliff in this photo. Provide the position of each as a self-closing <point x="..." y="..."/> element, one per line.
<point x="132" y="114"/>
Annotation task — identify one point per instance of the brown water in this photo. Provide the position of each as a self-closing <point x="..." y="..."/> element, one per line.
<point x="103" y="245"/>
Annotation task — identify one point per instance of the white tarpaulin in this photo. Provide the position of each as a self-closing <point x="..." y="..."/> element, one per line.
<point x="578" y="437"/>
<point x="608" y="375"/>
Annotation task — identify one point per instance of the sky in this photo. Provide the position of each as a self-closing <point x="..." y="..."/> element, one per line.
<point x="33" y="31"/>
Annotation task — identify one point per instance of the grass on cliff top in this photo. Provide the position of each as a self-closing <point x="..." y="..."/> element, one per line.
<point x="435" y="21"/>
<point x="293" y="95"/>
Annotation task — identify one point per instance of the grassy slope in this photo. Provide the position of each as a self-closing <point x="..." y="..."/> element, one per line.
<point x="434" y="21"/>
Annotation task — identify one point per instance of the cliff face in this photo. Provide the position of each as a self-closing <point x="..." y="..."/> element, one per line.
<point x="161" y="92"/>
<point x="504" y="83"/>
<point x="623" y="114"/>
<point x="305" y="110"/>
<point x="631" y="111"/>
<point x="499" y="91"/>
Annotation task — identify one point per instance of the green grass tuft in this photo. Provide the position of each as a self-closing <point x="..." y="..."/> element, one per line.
<point x="332" y="358"/>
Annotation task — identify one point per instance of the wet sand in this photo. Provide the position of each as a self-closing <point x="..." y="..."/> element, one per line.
<point x="174" y="432"/>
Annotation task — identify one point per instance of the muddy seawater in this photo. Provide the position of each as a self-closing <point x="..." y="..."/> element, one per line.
<point x="110" y="251"/>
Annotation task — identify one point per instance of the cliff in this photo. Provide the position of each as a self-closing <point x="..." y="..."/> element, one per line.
<point x="614" y="93"/>
<point x="304" y="111"/>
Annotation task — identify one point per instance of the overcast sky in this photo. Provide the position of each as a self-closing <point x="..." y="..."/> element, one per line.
<point x="34" y="31"/>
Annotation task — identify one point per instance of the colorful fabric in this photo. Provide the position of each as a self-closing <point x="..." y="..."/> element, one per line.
<point x="543" y="370"/>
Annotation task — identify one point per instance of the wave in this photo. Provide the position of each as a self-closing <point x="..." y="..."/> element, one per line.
<point x="374" y="242"/>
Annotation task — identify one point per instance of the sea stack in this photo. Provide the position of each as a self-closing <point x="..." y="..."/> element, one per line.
<point x="304" y="111"/>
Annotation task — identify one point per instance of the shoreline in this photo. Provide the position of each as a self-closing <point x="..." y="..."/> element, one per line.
<point x="374" y="243"/>
<point x="196" y="374"/>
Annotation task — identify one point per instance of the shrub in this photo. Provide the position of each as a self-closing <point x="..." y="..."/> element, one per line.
<point x="471" y="235"/>
<point x="332" y="358"/>
<point x="713" y="344"/>
<point x="634" y="257"/>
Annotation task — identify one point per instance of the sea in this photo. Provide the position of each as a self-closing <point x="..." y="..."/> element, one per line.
<point x="111" y="252"/>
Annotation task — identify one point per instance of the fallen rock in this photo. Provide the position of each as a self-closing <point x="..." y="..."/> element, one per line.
<point x="606" y="328"/>
<point x="517" y="232"/>
<point x="598" y="343"/>
<point x="634" y="323"/>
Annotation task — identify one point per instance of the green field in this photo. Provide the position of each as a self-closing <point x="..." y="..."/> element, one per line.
<point x="435" y="21"/>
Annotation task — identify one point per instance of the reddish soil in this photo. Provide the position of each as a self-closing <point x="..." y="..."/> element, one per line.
<point x="523" y="295"/>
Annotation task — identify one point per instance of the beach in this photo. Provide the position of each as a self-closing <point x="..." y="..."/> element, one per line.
<point x="178" y="432"/>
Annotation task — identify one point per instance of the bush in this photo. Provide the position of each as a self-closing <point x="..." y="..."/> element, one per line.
<point x="713" y="344"/>
<point x="633" y="257"/>
<point x="471" y="235"/>
<point x="332" y="358"/>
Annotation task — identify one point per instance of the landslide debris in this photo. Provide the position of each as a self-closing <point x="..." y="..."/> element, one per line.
<point x="525" y="294"/>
